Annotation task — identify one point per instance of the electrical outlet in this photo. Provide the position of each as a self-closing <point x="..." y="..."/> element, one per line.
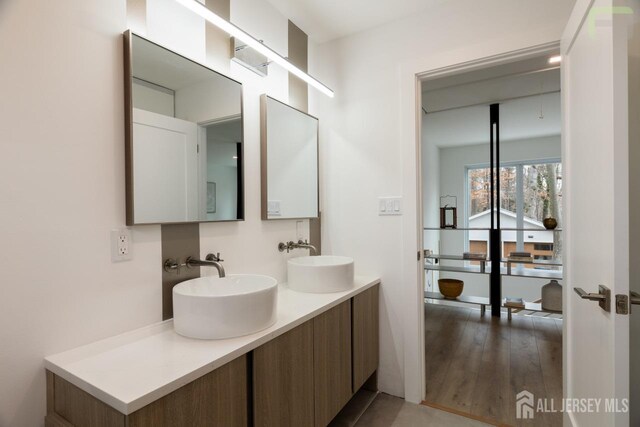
<point x="121" y="245"/>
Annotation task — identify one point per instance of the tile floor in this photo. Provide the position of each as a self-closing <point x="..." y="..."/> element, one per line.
<point x="389" y="411"/>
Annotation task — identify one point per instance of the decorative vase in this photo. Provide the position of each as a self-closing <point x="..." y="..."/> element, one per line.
<point x="450" y="288"/>
<point x="552" y="296"/>
<point x="550" y="223"/>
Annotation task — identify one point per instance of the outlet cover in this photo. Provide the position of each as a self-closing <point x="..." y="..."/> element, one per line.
<point x="121" y="245"/>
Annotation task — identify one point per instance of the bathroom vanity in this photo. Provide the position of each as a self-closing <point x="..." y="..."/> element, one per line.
<point x="299" y="372"/>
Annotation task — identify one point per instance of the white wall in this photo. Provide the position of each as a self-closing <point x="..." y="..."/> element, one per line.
<point x="62" y="168"/>
<point x="63" y="174"/>
<point x="211" y="100"/>
<point x="368" y="145"/>
<point x="145" y="97"/>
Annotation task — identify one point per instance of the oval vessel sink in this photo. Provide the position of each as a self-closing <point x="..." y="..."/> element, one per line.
<point x="320" y="274"/>
<point x="217" y="308"/>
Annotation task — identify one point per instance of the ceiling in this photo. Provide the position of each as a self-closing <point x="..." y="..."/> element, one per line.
<point x="457" y="106"/>
<point x="332" y="19"/>
<point x="513" y="80"/>
<point x="523" y="118"/>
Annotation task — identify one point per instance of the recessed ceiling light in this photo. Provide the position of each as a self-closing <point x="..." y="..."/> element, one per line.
<point x="555" y="59"/>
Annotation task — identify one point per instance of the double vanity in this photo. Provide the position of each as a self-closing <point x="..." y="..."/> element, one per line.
<point x="237" y="349"/>
<point x="241" y="350"/>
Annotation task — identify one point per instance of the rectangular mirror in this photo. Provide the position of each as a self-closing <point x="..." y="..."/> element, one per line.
<point x="289" y="145"/>
<point x="184" y="138"/>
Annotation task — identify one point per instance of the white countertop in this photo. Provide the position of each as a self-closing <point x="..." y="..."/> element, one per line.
<point x="131" y="370"/>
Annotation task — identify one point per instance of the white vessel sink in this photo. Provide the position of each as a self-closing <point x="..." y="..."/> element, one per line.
<point x="217" y="308"/>
<point x="320" y="274"/>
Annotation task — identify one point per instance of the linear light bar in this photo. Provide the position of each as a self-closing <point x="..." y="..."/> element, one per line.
<point x="555" y="59"/>
<point x="232" y="30"/>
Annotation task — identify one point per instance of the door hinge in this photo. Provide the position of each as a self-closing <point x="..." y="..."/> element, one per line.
<point x="198" y="148"/>
<point x="622" y="304"/>
<point x="419" y="252"/>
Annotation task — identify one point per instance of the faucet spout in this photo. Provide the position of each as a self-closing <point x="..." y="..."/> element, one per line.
<point x="289" y="246"/>
<point x="211" y="260"/>
<point x="305" y="245"/>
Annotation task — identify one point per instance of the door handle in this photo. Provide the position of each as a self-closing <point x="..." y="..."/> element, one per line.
<point x="603" y="296"/>
<point x="624" y="302"/>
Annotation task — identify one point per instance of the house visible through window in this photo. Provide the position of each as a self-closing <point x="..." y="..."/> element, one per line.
<point x="529" y="192"/>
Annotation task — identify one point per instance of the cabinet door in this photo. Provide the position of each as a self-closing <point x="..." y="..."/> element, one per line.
<point x="216" y="399"/>
<point x="332" y="362"/>
<point x="365" y="336"/>
<point x="283" y="380"/>
<point x="67" y="405"/>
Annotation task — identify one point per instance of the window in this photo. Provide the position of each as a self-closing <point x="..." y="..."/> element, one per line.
<point x="529" y="192"/>
<point x="543" y="246"/>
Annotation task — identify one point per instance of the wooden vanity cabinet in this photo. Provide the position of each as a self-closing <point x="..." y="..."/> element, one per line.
<point x="304" y="377"/>
<point x="283" y="380"/>
<point x="365" y="318"/>
<point x="301" y="378"/>
<point x="332" y="362"/>
<point x="218" y="398"/>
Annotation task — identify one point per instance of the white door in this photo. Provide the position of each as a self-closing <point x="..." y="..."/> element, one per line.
<point x="596" y="173"/>
<point x="165" y="167"/>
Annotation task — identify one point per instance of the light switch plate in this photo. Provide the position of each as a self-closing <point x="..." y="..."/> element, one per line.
<point x="121" y="245"/>
<point x="273" y="207"/>
<point x="300" y="230"/>
<point x="390" y="206"/>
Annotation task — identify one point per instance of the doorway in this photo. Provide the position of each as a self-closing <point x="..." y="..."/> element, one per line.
<point x="492" y="191"/>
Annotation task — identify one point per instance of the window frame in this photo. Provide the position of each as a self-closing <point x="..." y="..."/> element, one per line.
<point x="519" y="165"/>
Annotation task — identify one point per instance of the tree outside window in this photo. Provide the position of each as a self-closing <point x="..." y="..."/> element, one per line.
<point x="531" y="191"/>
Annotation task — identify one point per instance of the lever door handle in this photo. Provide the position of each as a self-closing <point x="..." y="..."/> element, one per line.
<point x="591" y="297"/>
<point x="603" y="296"/>
<point x="635" y="298"/>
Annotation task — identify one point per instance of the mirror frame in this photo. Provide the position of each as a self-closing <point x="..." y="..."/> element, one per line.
<point x="128" y="133"/>
<point x="264" y="165"/>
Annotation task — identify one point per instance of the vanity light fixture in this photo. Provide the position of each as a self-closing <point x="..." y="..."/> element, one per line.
<point x="272" y="55"/>
<point x="555" y="59"/>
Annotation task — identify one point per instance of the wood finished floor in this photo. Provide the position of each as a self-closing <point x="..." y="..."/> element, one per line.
<point x="477" y="365"/>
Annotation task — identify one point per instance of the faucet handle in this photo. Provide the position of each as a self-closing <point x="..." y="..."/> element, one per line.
<point x="171" y="264"/>
<point x="303" y="242"/>
<point x="212" y="257"/>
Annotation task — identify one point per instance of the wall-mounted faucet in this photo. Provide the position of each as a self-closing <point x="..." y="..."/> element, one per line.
<point x="211" y="260"/>
<point x="172" y="264"/>
<point x="289" y="246"/>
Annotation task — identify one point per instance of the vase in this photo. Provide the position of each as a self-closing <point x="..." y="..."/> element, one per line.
<point x="550" y="223"/>
<point x="552" y="296"/>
